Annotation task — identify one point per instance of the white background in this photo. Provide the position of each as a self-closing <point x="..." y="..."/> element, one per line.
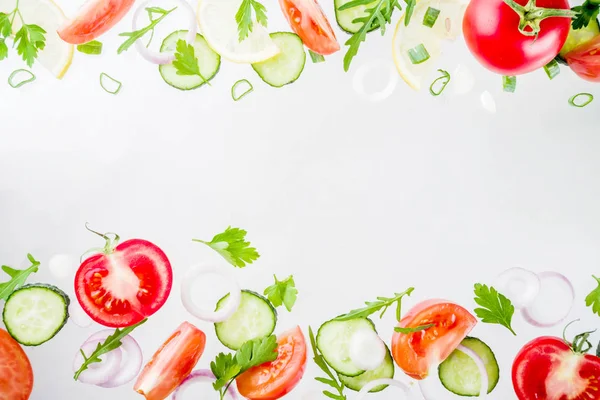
<point x="356" y="199"/>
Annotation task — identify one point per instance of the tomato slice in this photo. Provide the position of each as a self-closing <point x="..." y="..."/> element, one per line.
<point x="415" y="353"/>
<point x="584" y="60"/>
<point x="126" y="285"/>
<point x="273" y="380"/>
<point x="546" y="368"/>
<point x="16" y="375"/>
<point x="309" y="22"/>
<point x="172" y="363"/>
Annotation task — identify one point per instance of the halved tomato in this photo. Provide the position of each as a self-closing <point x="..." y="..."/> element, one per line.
<point x="415" y="353"/>
<point x="93" y="19"/>
<point x="125" y="284"/>
<point x="16" y="375"/>
<point x="584" y="60"/>
<point x="273" y="380"/>
<point x="309" y="22"/>
<point x="172" y="363"/>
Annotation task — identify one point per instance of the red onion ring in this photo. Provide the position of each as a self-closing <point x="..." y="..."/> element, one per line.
<point x="97" y="373"/>
<point x="164" y="57"/>
<point x="551" y="306"/>
<point x="198" y="376"/>
<point x="385" y="381"/>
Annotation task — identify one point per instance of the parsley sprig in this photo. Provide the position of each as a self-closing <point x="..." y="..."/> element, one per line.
<point x="382" y="304"/>
<point x="29" y="39"/>
<point x="588" y="12"/>
<point x="186" y="62"/>
<point x="132" y="37"/>
<point x="282" y="293"/>
<point x="232" y="245"/>
<point x="17" y="277"/>
<point x="593" y="299"/>
<point x="332" y="379"/>
<point x="244" y="19"/>
<point x="495" y="307"/>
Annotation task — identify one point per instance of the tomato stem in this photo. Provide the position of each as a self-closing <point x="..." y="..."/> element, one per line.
<point x="580" y="344"/>
<point x="531" y="15"/>
<point x="110" y="244"/>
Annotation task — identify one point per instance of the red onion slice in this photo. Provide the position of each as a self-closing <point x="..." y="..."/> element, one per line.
<point x="553" y="303"/>
<point x="97" y="373"/>
<point x="385" y="381"/>
<point x="520" y="285"/>
<point x="164" y="57"/>
<point x="201" y="375"/>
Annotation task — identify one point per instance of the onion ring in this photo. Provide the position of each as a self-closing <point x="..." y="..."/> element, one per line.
<point x="553" y="303"/>
<point x="387" y="91"/>
<point x="197" y="376"/>
<point x="485" y="380"/>
<point x="164" y="57"/>
<point x="384" y="381"/>
<point x="97" y="373"/>
<point x="230" y="307"/>
<point x="367" y="350"/>
<point x="78" y="316"/>
<point x="520" y="285"/>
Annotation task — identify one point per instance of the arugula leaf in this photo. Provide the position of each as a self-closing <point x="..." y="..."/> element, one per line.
<point x="29" y="40"/>
<point x="18" y="277"/>
<point x="111" y="343"/>
<point x="132" y="37"/>
<point x="321" y="363"/>
<point x="588" y="12"/>
<point x="415" y="329"/>
<point x="243" y="17"/>
<point x="382" y="303"/>
<point x="232" y="246"/>
<point x="496" y="308"/>
<point x="593" y="299"/>
<point x="410" y="8"/>
<point x="282" y="292"/>
<point x="186" y="62"/>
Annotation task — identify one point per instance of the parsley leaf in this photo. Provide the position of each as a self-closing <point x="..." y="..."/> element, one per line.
<point x="593" y="299"/>
<point x="18" y="277"/>
<point x="111" y="343"/>
<point x="496" y="308"/>
<point x="413" y="330"/>
<point x="132" y="37"/>
<point x="332" y="379"/>
<point x="588" y="12"/>
<point x="186" y="62"/>
<point x="225" y="369"/>
<point x="282" y="292"/>
<point x="3" y="49"/>
<point x="232" y="245"/>
<point x="244" y="20"/>
<point x="382" y="303"/>
<point x="5" y="24"/>
<point x="29" y="40"/>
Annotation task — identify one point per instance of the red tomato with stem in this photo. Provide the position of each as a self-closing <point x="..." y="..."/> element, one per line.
<point x="584" y="60"/>
<point x="415" y="353"/>
<point x="125" y="283"/>
<point x="309" y="22"/>
<point x="172" y="363"/>
<point x="517" y="40"/>
<point x="273" y="380"/>
<point x="16" y="375"/>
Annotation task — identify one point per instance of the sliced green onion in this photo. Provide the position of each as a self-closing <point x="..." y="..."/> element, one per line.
<point x="430" y="17"/>
<point x="249" y="89"/>
<point x="316" y="58"/>
<point x="552" y="69"/>
<point x="575" y="103"/>
<point x="418" y="54"/>
<point x="16" y="82"/>
<point x="444" y="79"/>
<point x="509" y="83"/>
<point x="92" y="48"/>
<point x="113" y="87"/>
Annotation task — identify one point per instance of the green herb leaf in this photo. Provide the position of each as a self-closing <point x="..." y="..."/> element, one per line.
<point x="588" y="12"/>
<point x="413" y="330"/>
<point x="132" y="37"/>
<point x="5" y="25"/>
<point x="225" y="368"/>
<point x="3" y="49"/>
<point x="244" y="19"/>
<point x="92" y="48"/>
<point x="382" y="304"/>
<point x="186" y="62"/>
<point x="322" y="364"/>
<point x="496" y="308"/>
<point x="315" y="57"/>
<point x="282" y="292"/>
<point x="29" y="40"/>
<point x="593" y="299"/>
<point x="410" y="7"/>
<point x="232" y="245"/>
<point x="18" y="277"/>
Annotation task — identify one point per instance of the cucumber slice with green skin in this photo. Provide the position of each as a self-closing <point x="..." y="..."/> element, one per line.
<point x="578" y="37"/>
<point x="333" y="340"/>
<point x="34" y="314"/>
<point x="209" y="62"/>
<point x="459" y="374"/>
<point x="344" y="18"/>
<point x="385" y="370"/>
<point x="255" y="318"/>
<point x="287" y="66"/>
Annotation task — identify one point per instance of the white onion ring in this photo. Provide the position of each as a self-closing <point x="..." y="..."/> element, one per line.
<point x="367" y="350"/>
<point x="520" y="285"/>
<point x="166" y="57"/>
<point x="384" y="381"/>
<point x="78" y="316"/>
<point x="553" y="304"/>
<point x="387" y="91"/>
<point x="485" y="380"/>
<point x="97" y="373"/>
<point x="197" y="376"/>
<point x="231" y="305"/>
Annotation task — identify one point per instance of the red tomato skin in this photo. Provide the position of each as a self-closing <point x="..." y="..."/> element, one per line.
<point x="490" y="30"/>
<point x="16" y="375"/>
<point x="141" y="256"/>
<point x="171" y="363"/>
<point x="584" y="60"/>
<point x="94" y="18"/>
<point x="273" y="380"/>
<point x="534" y="366"/>
<point x="307" y="20"/>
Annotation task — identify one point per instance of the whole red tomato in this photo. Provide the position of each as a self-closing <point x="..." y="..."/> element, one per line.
<point x="584" y="60"/>
<point x="491" y="29"/>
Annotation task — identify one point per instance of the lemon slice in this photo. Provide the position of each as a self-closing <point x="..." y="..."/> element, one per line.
<point x="406" y="38"/>
<point x="219" y="27"/>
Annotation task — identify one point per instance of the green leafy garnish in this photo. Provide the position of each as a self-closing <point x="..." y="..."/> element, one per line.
<point x="132" y="37"/>
<point x="92" y="48"/>
<point x="244" y="19"/>
<point x="29" y="39"/>
<point x="232" y="245"/>
<point x="111" y="343"/>
<point x="282" y="292"/>
<point x="413" y="330"/>
<point x="593" y="299"/>
<point x="186" y="62"/>
<point x="315" y="57"/>
<point x="332" y="379"/>
<point x="496" y="308"/>
<point x="588" y="12"/>
<point x="17" y="277"/>
<point x="382" y="303"/>
<point x="410" y="8"/>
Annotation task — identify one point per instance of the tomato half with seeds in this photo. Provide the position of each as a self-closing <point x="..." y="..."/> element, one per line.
<point x="125" y="283"/>
<point x="415" y="353"/>
<point x="273" y="380"/>
<point x="16" y="375"/>
<point x="307" y="19"/>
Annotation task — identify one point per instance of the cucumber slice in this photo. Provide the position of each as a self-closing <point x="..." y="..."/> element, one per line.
<point x="34" y="314"/>
<point x="385" y="370"/>
<point x="255" y="318"/>
<point x="578" y="37"/>
<point x="459" y="374"/>
<point x="286" y="66"/>
<point x="345" y="18"/>
<point x="333" y="340"/>
<point x="209" y="62"/>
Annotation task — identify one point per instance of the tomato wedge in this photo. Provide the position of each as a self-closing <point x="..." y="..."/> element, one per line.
<point x="584" y="60"/>
<point x="415" y="353"/>
<point x="172" y="363"/>
<point x="309" y="22"/>
<point x="16" y="375"/>
<point x="124" y="284"/>
<point x="273" y="380"/>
